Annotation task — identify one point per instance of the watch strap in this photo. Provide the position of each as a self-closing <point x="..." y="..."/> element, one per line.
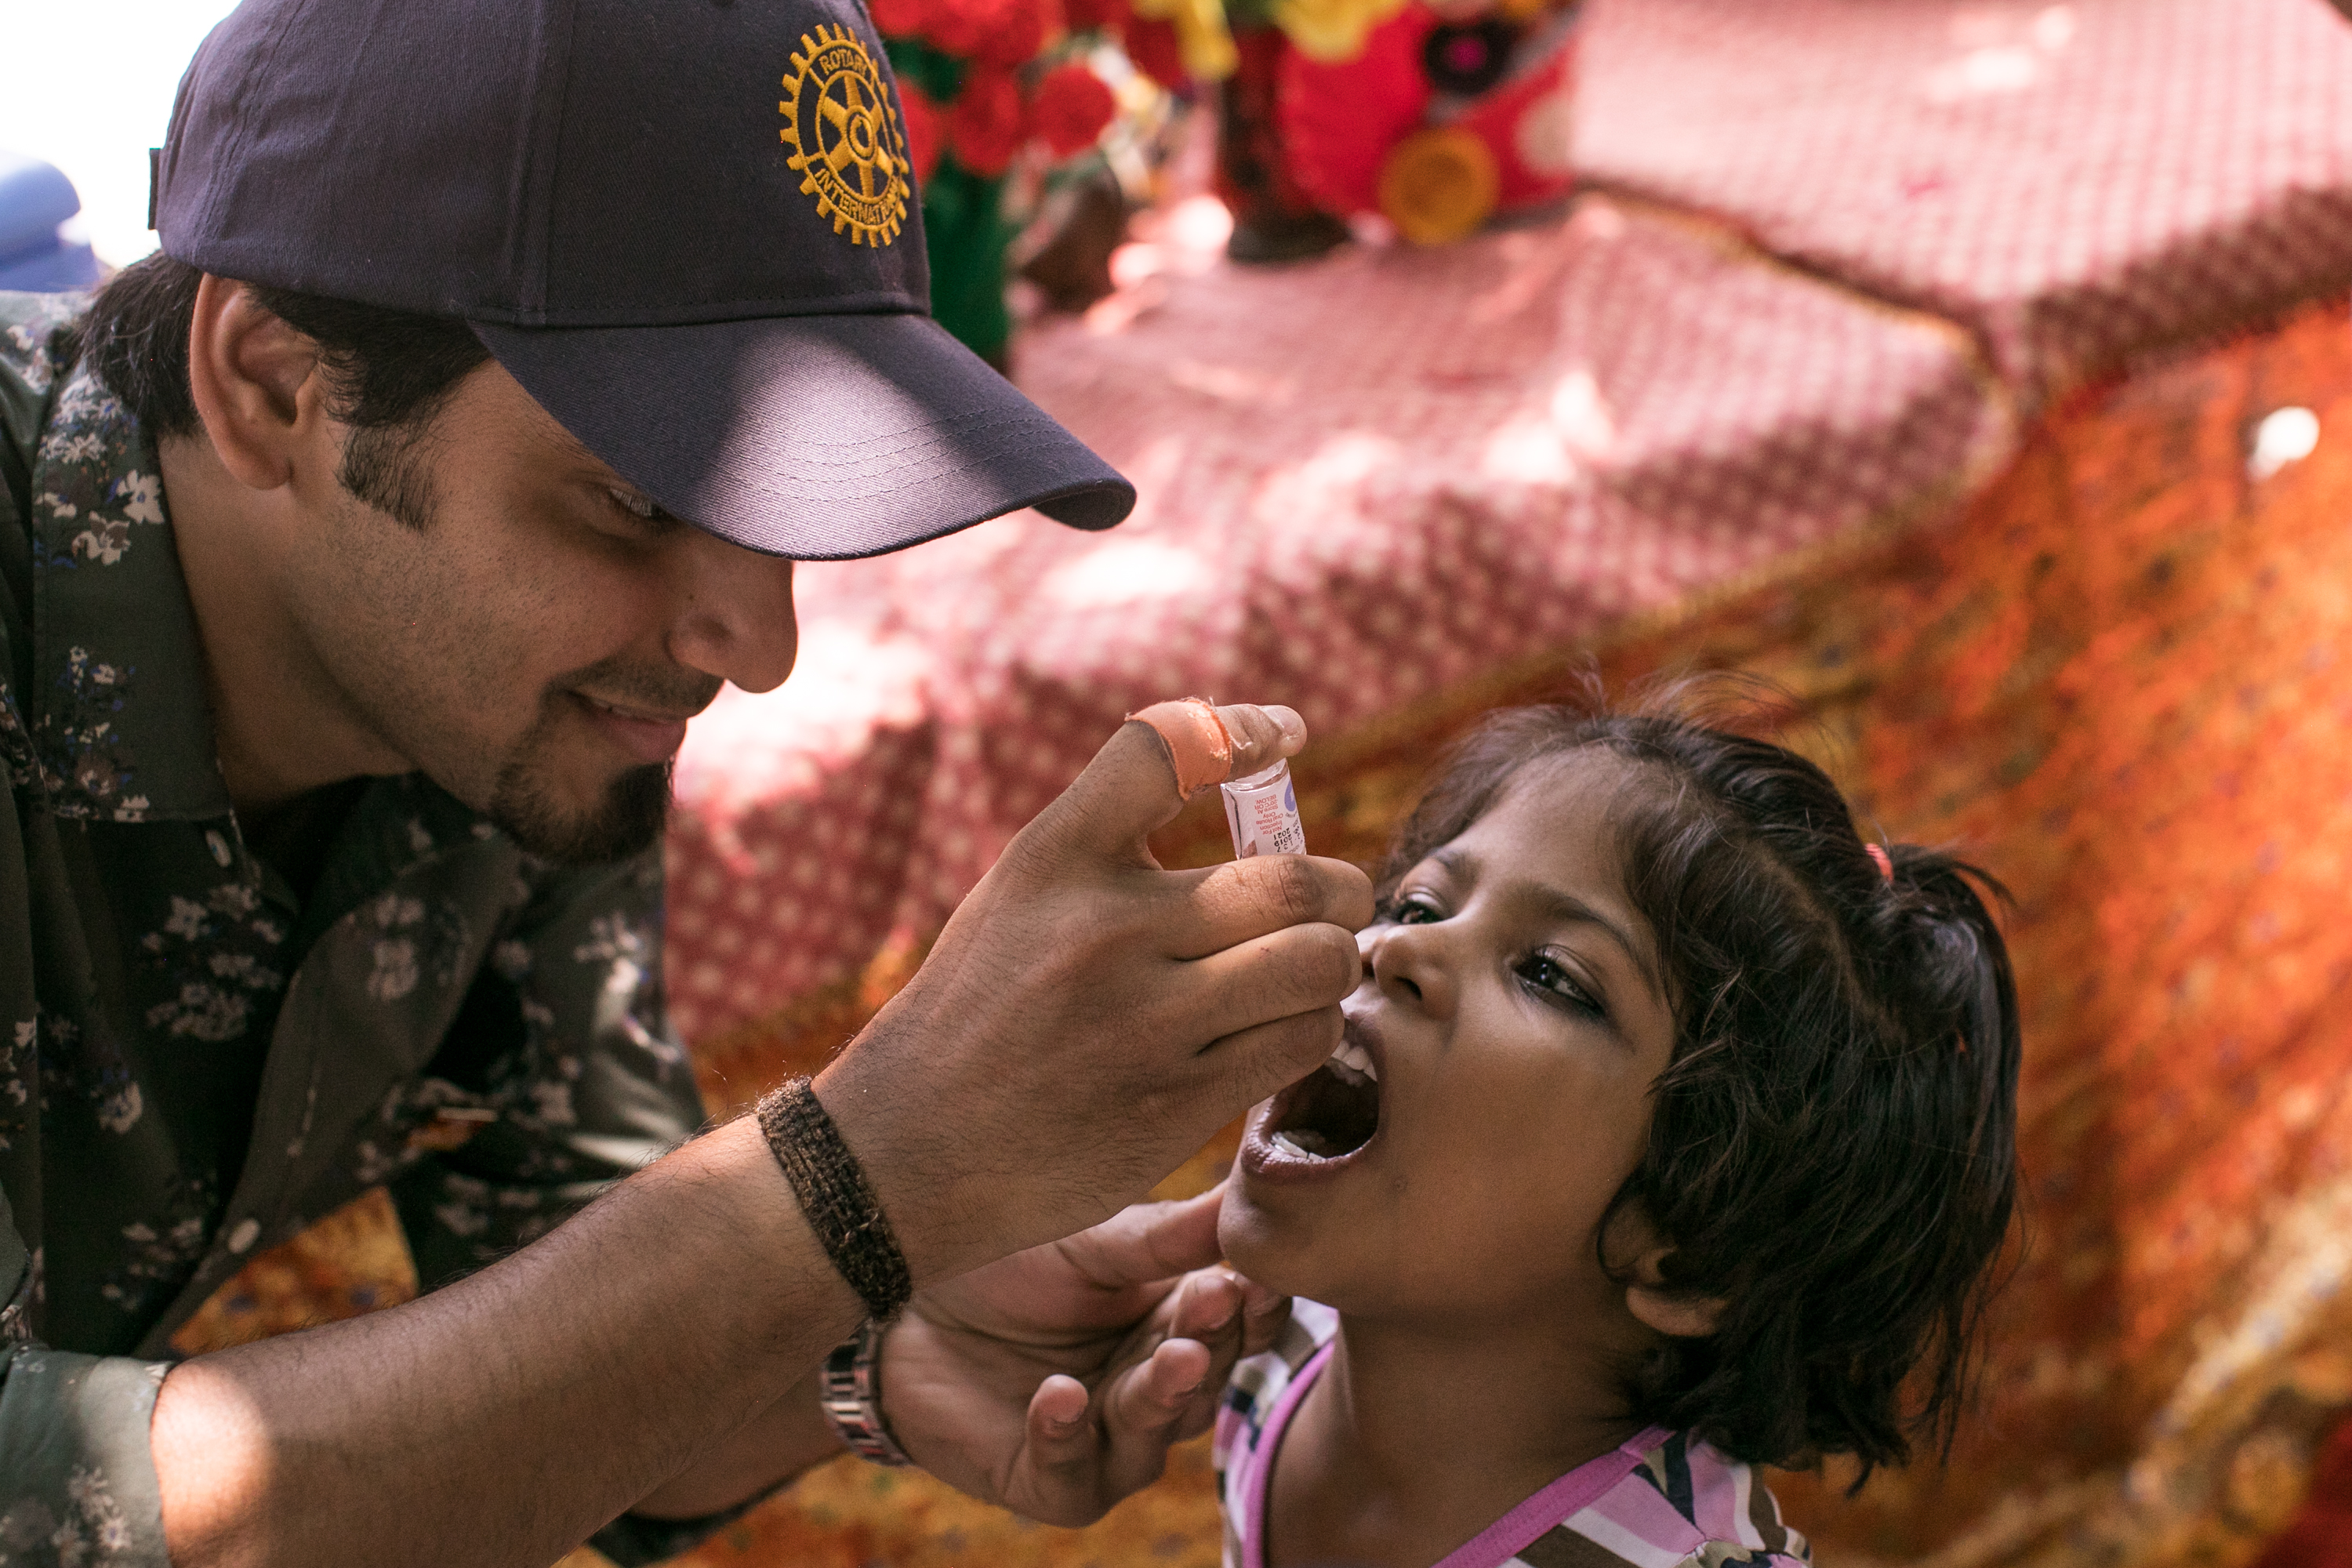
<point x="851" y="1393"/>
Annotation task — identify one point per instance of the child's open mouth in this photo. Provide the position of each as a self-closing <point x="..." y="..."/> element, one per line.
<point x="1326" y="1117"/>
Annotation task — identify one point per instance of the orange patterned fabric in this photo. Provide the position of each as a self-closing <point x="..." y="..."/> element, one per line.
<point x="351" y="1262"/>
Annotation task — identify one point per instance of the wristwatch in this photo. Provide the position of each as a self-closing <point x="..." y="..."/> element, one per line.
<point x="852" y="1396"/>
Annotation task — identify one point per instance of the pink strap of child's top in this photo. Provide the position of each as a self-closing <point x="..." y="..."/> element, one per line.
<point x="1269" y="1443"/>
<point x="1491" y="1547"/>
<point x="1501" y="1541"/>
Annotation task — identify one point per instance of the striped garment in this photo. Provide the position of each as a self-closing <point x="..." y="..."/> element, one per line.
<point x="1662" y="1500"/>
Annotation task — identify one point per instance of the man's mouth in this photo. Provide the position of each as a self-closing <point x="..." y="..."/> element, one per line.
<point x="1325" y="1118"/>
<point x="637" y="715"/>
<point x="648" y="736"/>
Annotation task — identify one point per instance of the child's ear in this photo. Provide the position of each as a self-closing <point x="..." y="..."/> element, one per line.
<point x="1677" y="1314"/>
<point x="1674" y="1314"/>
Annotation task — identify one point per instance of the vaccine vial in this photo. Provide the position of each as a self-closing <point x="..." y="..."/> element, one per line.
<point x="1263" y="811"/>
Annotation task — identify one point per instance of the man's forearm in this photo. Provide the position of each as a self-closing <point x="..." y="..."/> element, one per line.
<point x="500" y="1421"/>
<point x="789" y="1436"/>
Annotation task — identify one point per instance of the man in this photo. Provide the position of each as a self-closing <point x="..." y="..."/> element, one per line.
<point x="365" y="555"/>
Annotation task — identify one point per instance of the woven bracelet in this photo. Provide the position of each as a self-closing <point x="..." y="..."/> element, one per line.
<point x="841" y="1208"/>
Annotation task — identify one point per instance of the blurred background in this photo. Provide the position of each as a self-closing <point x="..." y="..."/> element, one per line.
<point x="98" y="95"/>
<point x="1983" y="373"/>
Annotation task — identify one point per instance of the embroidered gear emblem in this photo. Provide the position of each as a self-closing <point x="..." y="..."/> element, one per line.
<point x="847" y="143"/>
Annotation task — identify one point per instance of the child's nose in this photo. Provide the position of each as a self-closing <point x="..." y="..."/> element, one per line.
<point x="1401" y="961"/>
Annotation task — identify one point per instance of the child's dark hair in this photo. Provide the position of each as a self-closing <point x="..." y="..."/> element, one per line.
<point x="1832" y="1150"/>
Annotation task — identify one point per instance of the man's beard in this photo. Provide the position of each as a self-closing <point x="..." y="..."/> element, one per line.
<point x="528" y="803"/>
<point x="627" y="820"/>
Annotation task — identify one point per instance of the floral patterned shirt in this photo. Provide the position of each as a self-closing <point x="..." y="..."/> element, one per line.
<point x="194" y="1063"/>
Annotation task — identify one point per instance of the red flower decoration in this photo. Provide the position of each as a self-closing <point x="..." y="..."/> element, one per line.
<point x="1150" y="43"/>
<point x="985" y="122"/>
<point x="900" y="18"/>
<point x="1086" y="16"/>
<point x="1070" y="108"/>
<point x="953" y="26"/>
<point x="1004" y="33"/>
<point x="925" y="127"/>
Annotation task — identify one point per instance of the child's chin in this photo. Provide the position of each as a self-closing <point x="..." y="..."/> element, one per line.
<point x="1280" y="1253"/>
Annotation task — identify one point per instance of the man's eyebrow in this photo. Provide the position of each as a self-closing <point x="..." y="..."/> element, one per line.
<point x="1558" y="904"/>
<point x="575" y="450"/>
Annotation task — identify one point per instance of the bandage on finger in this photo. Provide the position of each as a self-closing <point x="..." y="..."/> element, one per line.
<point x="1196" y="739"/>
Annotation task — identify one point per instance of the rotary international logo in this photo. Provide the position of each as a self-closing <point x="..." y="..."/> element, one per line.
<point x="843" y="133"/>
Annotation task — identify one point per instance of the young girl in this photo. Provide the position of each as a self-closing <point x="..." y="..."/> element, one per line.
<point x="1672" y="1134"/>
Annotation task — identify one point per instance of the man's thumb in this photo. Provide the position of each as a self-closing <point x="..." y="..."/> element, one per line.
<point x="1133" y="786"/>
<point x="1147" y="1242"/>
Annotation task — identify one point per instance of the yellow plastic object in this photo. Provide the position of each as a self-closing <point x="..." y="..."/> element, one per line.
<point x="1438" y="185"/>
<point x="1332" y="31"/>
<point x="1203" y="37"/>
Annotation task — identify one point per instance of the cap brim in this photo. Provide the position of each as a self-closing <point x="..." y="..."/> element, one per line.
<point x="821" y="437"/>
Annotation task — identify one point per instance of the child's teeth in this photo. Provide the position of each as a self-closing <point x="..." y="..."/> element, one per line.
<point x="1358" y="1059"/>
<point x="1284" y="1141"/>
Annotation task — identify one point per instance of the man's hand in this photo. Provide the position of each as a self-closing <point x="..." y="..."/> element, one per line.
<point x="1087" y="1019"/>
<point x="1053" y="1382"/>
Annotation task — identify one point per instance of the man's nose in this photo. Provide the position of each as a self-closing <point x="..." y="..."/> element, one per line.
<point x="737" y="622"/>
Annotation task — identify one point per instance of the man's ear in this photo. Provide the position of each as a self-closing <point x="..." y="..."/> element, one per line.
<point x="253" y="378"/>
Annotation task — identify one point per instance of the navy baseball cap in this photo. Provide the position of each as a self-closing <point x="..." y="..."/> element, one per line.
<point x="687" y="227"/>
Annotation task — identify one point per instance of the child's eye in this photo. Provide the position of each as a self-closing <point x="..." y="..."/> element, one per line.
<point x="1548" y="975"/>
<point x="1415" y="910"/>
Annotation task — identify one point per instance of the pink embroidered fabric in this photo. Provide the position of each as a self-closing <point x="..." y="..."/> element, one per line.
<point x="2076" y="183"/>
